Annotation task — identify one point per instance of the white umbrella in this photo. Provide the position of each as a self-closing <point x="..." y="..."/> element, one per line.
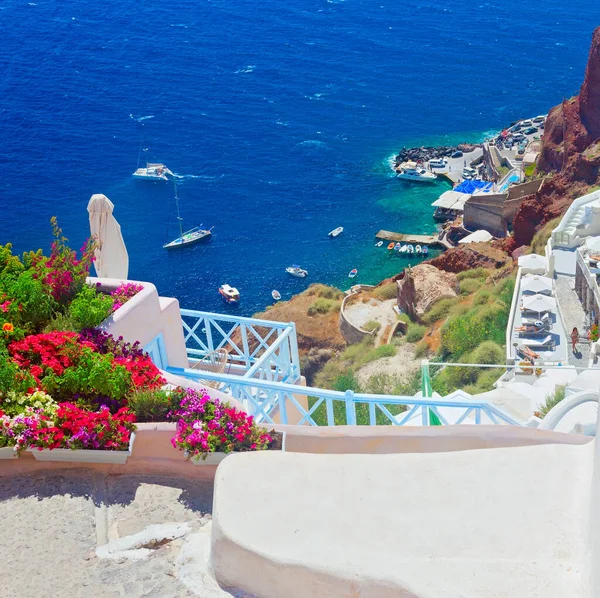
<point x="112" y="260"/>
<point x="539" y="303"/>
<point x="536" y="284"/>
<point x="533" y="262"/>
<point x="593" y="244"/>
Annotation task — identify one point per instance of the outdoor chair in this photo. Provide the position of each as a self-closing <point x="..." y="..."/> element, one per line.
<point x="215" y="362"/>
<point x="545" y="343"/>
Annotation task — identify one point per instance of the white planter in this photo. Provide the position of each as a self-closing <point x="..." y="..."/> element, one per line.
<point x="211" y="459"/>
<point x="216" y="458"/>
<point x="8" y="452"/>
<point x="83" y="455"/>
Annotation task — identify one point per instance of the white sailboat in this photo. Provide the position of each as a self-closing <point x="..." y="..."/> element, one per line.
<point x="190" y="237"/>
<point x="153" y="171"/>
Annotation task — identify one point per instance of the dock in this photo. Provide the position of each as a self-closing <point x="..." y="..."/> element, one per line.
<point x="432" y="240"/>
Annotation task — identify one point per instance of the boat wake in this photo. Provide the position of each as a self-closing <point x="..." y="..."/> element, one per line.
<point x="247" y="69"/>
<point x="204" y="177"/>
<point x="140" y="119"/>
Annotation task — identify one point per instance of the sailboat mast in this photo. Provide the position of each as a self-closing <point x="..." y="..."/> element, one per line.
<point x="179" y="218"/>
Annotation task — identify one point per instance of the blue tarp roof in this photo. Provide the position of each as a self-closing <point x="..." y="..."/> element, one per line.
<point x="470" y="186"/>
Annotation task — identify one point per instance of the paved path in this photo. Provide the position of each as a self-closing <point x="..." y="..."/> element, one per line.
<point x="52" y="524"/>
<point x="573" y="316"/>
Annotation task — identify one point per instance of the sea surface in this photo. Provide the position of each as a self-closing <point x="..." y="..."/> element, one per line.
<point x="281" y="119"/>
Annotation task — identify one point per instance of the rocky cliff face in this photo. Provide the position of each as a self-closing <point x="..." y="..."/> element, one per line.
<point x="422" y="286"/>
<point x="571" y="150"/>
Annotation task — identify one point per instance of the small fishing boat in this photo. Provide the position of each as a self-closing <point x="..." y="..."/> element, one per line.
<point x="391" y="246"/>
<point x="336" y="231"/>
<point x="152" y="172"/>
<point x="276" y="295"/>
<point x="404" y="249"/>
<point x="417" y="249"/>
<point x="353" y="273"/>
<point x="229" y="294"/>
<point x="425" y="250"/>
<point x="379" y="244"/>
<point x="297" y="271"/>
<point x="397" y="247"/>
<point x="410" y="248"/>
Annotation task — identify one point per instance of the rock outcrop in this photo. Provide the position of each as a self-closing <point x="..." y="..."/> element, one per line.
<point x="422" y="286"/>
<point x="571" y="150"/>
<point x="459" y="259"/>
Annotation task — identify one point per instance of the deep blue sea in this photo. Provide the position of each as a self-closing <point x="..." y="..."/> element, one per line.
<point x="281" y="117"/>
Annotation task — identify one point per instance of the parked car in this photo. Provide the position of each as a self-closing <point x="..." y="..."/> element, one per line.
<point x="469" y="173"/>
<point x="526" y="123"/>
<point x="521" y="150"/>
<point x="539" y="119"/>
<point x="456" y="154"/>
<point x="518" y="137"/>
<point x="438" y="162"/>
<point x="530" y="130"/>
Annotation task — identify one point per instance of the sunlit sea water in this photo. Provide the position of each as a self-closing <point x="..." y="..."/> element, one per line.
<point x="280" y="117"/>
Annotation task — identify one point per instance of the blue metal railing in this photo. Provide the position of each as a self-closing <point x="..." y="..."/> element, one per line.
<point x="256" y="348"/>
<point x="272" y="401"/>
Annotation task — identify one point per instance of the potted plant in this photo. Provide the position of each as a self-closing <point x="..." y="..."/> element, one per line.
<point x="78" y="435"/>
<point x="209" y="429"/>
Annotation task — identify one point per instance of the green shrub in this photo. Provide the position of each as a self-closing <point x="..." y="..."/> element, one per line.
<point x="415" y="333"/>
<point x="12" y="379"/>
<point x="470" y="285"/>
<point x="474" y="273"/>
<point x="488" y="353"/>
<point x="62" y="322"/>
<point x="555" y="399"/>
<point x="323" y="306"/>
<point x="538" y="243"/>
<point x="482" y="297"/>
<point x="389" y="290"/>
<point x="404" y="318"/>
<point x="324" y="291"/>
<point x="384" y="351"/>
<point x="372" y="326"/>
<point x="440" y="309"/>
<point x="89" y="308"/>
<point x="346" y="381"/>
<point x="150" y="405"/>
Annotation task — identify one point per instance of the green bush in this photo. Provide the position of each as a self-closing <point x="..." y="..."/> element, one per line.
<point x="482" y="297"/>
<point x="89" y="308"/>
<point x="384" y="351"/>
<point x="151" y="405"/>
<point x="12" y="379"/>
<point x="470" y="285"/>
<point x="346" y="381"/>
<point x="440" y="309"/>
<point x="415" y="333"/>
<point x="474" y="273"/>
<point x="488" y="353"/>
<point x="372" y="326"/>
<point x="389" y="290"/>
<point x="322" y="306"/>
<point x="555" y="399"/>
<point x="404" y="318"/>
<point x="324" y="291"/>
<point x="62" y="322"/>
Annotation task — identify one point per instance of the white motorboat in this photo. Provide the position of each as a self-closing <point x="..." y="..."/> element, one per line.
<point x="397" y="247"/>
<point x="417" y="249"/>
<point x="379" y="244"/>
<point x="336" y="231"/>
<point x="276" y="295"/>
<point x="411" y="171"/>
<point x="190" y="237"/>
<point x="353" y="273"/>
<point x="410" y="249"/>
<point x="229" y="294"/>
<point x="425" y="250"/>
<point x="404" y="249"/>
<point x="297" y="271"/>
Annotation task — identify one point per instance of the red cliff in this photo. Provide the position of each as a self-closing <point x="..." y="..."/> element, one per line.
<point x="571" y="150"/>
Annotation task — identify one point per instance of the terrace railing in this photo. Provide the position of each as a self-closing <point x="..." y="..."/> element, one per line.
<point x="271" y="402"/>
<point x="257" y="348"/>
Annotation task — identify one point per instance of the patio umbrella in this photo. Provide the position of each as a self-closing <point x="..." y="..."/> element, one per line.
<point x="536" y="284"/>
<point x="112" y="260"/>
<point x="427" y="392"/>
<point x="539" y="303"/>
<point x="593" y="244"/>
<point x="533" y="262"/>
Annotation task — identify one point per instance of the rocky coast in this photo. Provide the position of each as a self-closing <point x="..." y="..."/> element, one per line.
<point x="424" y="154"/>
